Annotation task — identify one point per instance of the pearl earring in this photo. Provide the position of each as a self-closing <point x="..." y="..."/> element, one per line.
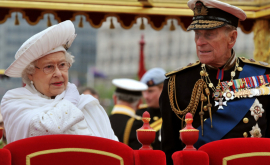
<point x="32" y="82"/>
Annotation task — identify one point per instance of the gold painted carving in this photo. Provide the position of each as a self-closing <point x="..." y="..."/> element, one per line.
<point x="261" y="31"/>
<point x="146" y="130"/>
<point x="60" y="150"/>
<point x="189" y="130"/>
<point x="237" y="156"/>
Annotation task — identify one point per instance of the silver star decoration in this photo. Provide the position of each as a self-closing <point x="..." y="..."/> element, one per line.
<point x="220" y="103"/>
<point x="256" y="109"/>
<point x="256" y="131"/>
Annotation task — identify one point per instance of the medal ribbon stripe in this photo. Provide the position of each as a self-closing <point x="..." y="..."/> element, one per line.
<point x="254" y="81"/>
<point x="234" y="87"/>
<point x="225" y="120"/>
<point x="220" y="74"/>
<point x="268" y="78"/>
<point x="265" y="79"/>
<point x="244" y="83"/>
<point x="235" y="84"/>
<point x="247" y="82"/>
<point x="257" y="80"/>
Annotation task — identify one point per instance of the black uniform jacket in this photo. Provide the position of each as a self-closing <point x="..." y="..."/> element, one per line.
<point x="124" y="127"/>
<point x="184" y="83"/>
<point x="155" y="123"/>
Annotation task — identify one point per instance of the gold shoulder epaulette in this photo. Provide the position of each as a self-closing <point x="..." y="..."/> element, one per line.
<point x="251" y="61"/>
<point x="142" y="106"/>
<point x="183" y="68"/>
<point x="156" y="125"/>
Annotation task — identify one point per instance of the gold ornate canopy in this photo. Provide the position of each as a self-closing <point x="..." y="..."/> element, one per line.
<point x="157" y="13"/>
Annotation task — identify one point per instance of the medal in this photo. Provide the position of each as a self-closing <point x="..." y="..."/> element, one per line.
<point x="229" y="95"/>
<point x="256" y="110"/>
<point x="256" y="131"/>
<point x="220" y="103"/>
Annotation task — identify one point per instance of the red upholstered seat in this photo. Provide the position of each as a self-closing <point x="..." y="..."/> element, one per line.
<point x="238" y="151"/>
<point x="77" y="149"/>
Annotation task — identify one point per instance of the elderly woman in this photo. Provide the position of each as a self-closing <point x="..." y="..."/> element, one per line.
<point x="49" y="104"/>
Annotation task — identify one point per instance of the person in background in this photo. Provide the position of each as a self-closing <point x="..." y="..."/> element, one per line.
<point x="89" y="91"/>
<point x="154" y="79"/>
<point x="3" y="140"/>
<point x="127" y="98"/>
<point x="225" y="94"/>
<point x="49" y="104"/>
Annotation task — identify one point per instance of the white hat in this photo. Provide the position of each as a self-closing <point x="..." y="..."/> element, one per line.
<point x="129" y="86"/>
<point x="211" y="14"/>
<point x="53" y="39"/>
<point x="154" y="77"/>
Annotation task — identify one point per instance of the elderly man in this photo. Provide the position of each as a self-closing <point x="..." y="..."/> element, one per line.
<point x="154" y="79"/>
<point x="127" y="98"/>
<point x="226" y="94"/>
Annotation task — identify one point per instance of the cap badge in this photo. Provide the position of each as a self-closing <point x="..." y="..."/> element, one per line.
<point x="200" y="9"/>
<point x="150" y="82"/>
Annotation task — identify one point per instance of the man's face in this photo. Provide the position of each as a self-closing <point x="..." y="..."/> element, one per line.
<point x="151" y="96"/>
<point x="213" y="46"/>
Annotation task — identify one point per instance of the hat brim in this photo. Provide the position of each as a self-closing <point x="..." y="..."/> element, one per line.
<point x="205" y="25"/>
<point x="39" y="45"/>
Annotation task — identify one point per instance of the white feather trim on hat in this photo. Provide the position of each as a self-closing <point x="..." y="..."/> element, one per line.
<point x="41" y="44"/>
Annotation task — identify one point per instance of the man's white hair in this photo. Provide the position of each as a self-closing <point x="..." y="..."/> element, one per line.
<point x="131" y="99"/>
<point x="229" y="28"/>
<point x="30" y="69"/>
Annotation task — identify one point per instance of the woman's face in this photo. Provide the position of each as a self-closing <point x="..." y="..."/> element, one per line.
<point x="50" y="84"/>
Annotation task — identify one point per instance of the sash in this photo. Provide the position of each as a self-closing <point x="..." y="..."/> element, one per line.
<point x="224" y="120"/>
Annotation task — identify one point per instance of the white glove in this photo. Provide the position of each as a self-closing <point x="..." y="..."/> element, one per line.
<point x="72" y="94"/>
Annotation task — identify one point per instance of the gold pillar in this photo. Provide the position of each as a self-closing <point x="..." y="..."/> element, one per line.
<point x="261" y="39"/>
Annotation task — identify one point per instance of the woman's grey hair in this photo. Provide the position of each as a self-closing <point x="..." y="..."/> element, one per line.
<point x="30" y="69"/>
<point x="131" y="99"/>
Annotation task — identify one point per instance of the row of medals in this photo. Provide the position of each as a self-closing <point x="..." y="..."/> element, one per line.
<point x="239" y="93"/>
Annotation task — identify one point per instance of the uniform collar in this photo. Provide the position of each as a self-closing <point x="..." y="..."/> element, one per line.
<point x="228" y="65"/>
<point x="125" y="110"/>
